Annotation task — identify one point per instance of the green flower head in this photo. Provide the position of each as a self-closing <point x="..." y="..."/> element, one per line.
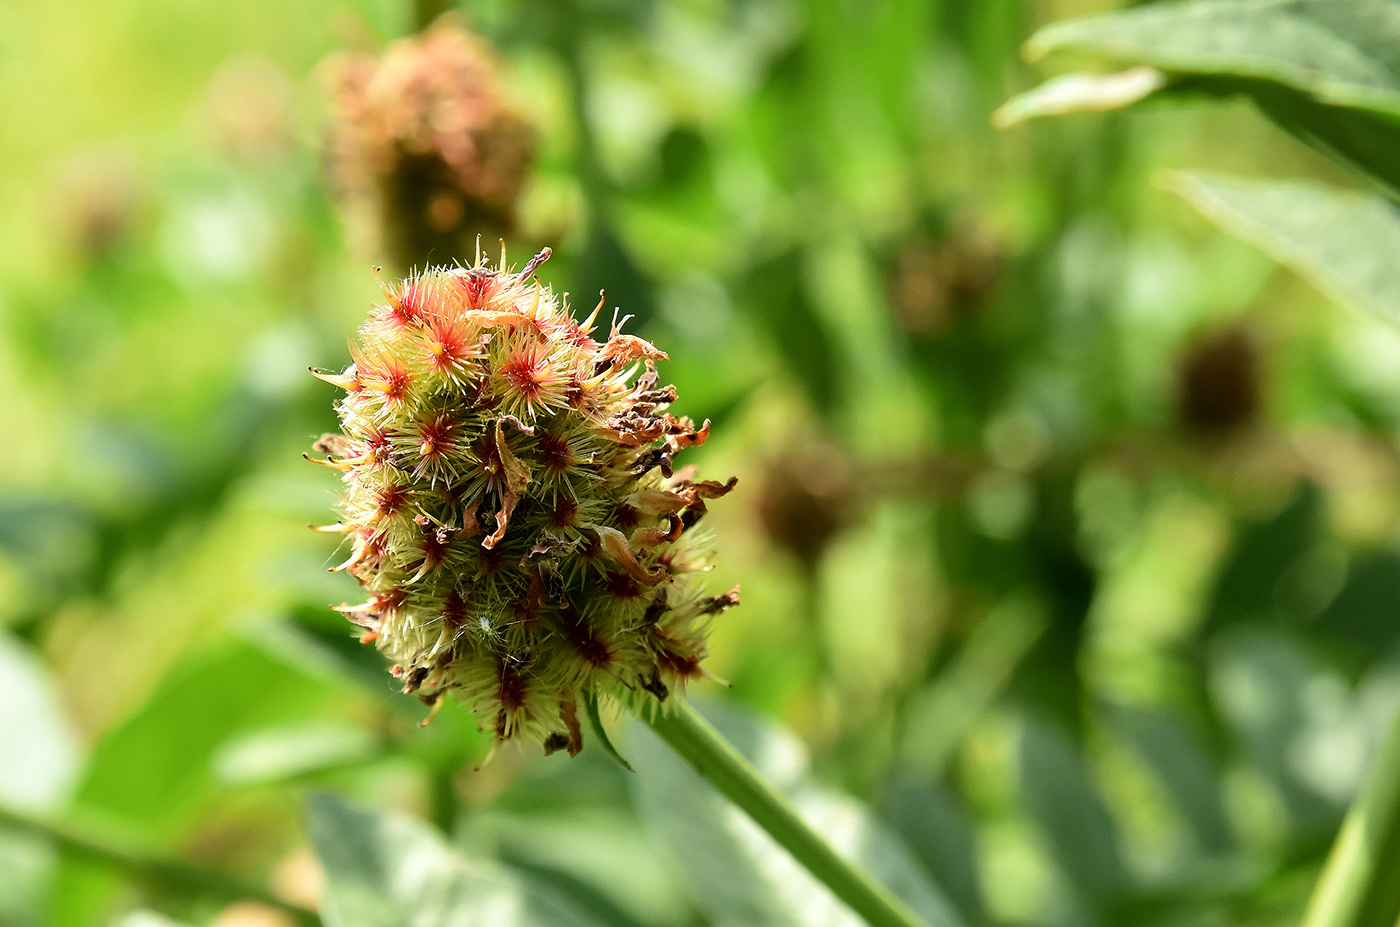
<point x="511" y="507"/>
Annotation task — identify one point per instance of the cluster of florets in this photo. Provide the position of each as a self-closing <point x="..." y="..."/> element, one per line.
<point x="511" y="508"/>
<point x="424" y="149"/>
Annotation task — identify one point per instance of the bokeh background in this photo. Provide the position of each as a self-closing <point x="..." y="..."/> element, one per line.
<point x="1066" y="523"/>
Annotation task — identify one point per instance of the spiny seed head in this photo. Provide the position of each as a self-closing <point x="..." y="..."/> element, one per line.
<point x="424" y="149"/>
<point x="510" y="504"/>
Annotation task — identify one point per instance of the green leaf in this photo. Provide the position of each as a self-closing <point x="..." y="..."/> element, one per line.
<point x="389" y="871"/>
<point x="1343" y="243"/>
<point x="1080" y="93"/>
<point x="595" y="719"/>
<point x="739" y="874"/>
<point x="1324" y="71"/>
<point x="1347" y="53"/>
<point x="274" y="754"/>
<point x="1181" y="763"/>
<point x="934" y="823"/>
<point x="1361" y="139"/>
<point x="150" y="779"/>
<point x="1065" y="802"/>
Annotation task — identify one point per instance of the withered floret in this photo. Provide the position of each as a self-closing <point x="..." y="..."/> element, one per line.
<point x="511" y="507"/>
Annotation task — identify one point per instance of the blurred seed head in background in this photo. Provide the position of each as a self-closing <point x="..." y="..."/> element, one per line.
<point x="424" y="150"/>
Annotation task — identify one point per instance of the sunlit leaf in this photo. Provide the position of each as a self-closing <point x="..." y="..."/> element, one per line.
<point x="39" y="761"/>
<point x="1080" y="93"/>
<point x="285" y="752"/>
<point x="1343" y="243"/>
<point x="1346" y="53"/>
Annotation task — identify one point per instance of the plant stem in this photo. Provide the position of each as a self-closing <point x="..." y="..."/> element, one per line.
<point x="1360" y="885"/>
<point x="719" y="764"/>
<point x="170" y="875"/>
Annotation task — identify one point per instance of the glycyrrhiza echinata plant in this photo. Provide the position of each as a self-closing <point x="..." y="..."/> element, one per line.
<point x="510" y="504"/>
<point x="512" y="510"/>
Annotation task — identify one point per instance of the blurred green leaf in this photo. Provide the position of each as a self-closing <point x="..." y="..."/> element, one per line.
<point x="1343" y="243"/>
<point x="1364" y="614"/>
<point x="384" y="871"/>
<point x="774" y="295"/>
<point x="1267" y="688"/>
<point x="277" y="753"/>
<point x="1250" y="583"/>
<point x="149" y="775"/>
<point x="739" y="875"/>
<point x="1064" y="801"/>
<point x="931" y="820"/>
<point x="1179" y="760"/>
<point x="1345" y="53"/>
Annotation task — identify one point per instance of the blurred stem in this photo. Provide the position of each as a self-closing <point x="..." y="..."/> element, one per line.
<point x="568" y="42"/>
<point x="1360" y="885"/>
<point x="719" y="764"/>
<point x="168" y="875"/>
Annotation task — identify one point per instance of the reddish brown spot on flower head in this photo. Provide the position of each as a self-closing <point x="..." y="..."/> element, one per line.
<point x="493" y="559"/>
<point x="672" y="656"/>
<point x="555" y="453"/>
<point x="477" y="284"/>
<point x="451" y="347"/>
<point x="379" y="450"/>
<point x="408" y="306"/>
<point x="454" y="608"/>
<point x="627" y="517"/>
<point x="565" y="513"/>
<point x="437" y="436"/>
<point x="434" y="548"/>
<point x="392" y="499"/>
<point x="525" y="372"/>
<point x="622" y="586"/>
<point x="583" y="639"/>
<point x="511" y="689"/>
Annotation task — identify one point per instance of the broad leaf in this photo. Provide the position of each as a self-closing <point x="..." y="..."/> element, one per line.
<point x="389" y="871"/>
<point x="740" y="875"/>
<point x="1362" y="139"/>
<point x="1343" y="243"/>
<point x="1346" y="53"/>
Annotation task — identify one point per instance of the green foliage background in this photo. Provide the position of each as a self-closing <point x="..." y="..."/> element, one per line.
<point x="1026" y="629"/>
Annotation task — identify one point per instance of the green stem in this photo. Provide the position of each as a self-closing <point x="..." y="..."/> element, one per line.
<point x="170" y="875"/>
<point x="1360" y="885"/>
<point x="720" y="764"/>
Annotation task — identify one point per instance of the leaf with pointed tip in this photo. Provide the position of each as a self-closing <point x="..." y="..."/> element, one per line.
<point x="1342" y="53"/>
<point x="595" y="719"/>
